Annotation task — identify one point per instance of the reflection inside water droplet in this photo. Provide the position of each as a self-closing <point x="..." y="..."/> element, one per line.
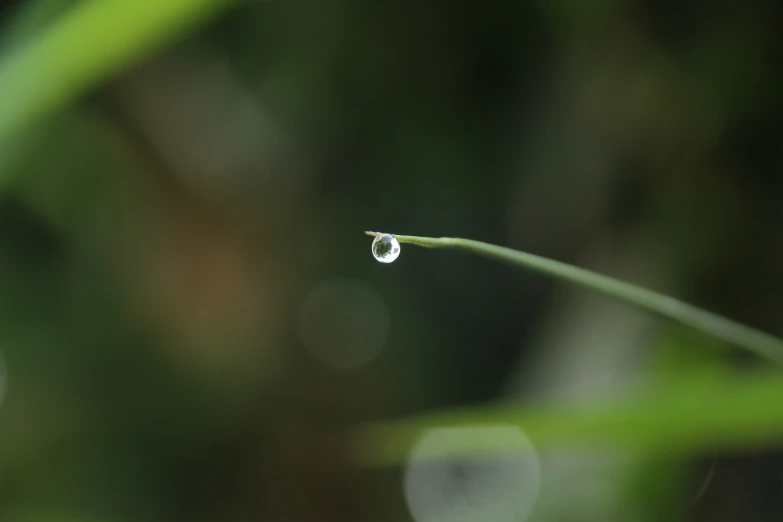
<point x="385" y="248"/>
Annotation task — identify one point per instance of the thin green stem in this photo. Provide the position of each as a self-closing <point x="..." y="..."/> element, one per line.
<point x="756" y="341"/>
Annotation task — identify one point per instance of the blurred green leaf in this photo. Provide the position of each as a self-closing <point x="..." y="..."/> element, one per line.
<point x="690" y="415"/>
<point x="53" y="516"/>
<point x="90" y="42"/>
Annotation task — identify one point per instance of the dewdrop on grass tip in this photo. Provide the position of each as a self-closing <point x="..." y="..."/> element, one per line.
<point x="385" y="248"/>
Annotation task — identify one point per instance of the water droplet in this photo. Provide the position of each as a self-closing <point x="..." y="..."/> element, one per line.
<point x="385" y="248"/>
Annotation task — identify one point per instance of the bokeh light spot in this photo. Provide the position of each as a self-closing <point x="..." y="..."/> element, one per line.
<point x="344" y="323"/>
<point x="501" y="486"/>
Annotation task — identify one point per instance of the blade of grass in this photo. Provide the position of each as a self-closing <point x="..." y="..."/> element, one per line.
<point x="756" y="341"/>
<point x="90" y="42"/>
<point x="683" y="418"/>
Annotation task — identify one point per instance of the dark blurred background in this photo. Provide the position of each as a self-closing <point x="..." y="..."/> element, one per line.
<point x="190" y="316"/>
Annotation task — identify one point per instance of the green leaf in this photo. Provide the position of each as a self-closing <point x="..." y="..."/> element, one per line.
<point x="693" y="415"/>
<point x="89" y="43"/>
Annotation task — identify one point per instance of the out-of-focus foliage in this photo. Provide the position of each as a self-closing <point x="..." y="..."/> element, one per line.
<point x="192" y="325"/>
